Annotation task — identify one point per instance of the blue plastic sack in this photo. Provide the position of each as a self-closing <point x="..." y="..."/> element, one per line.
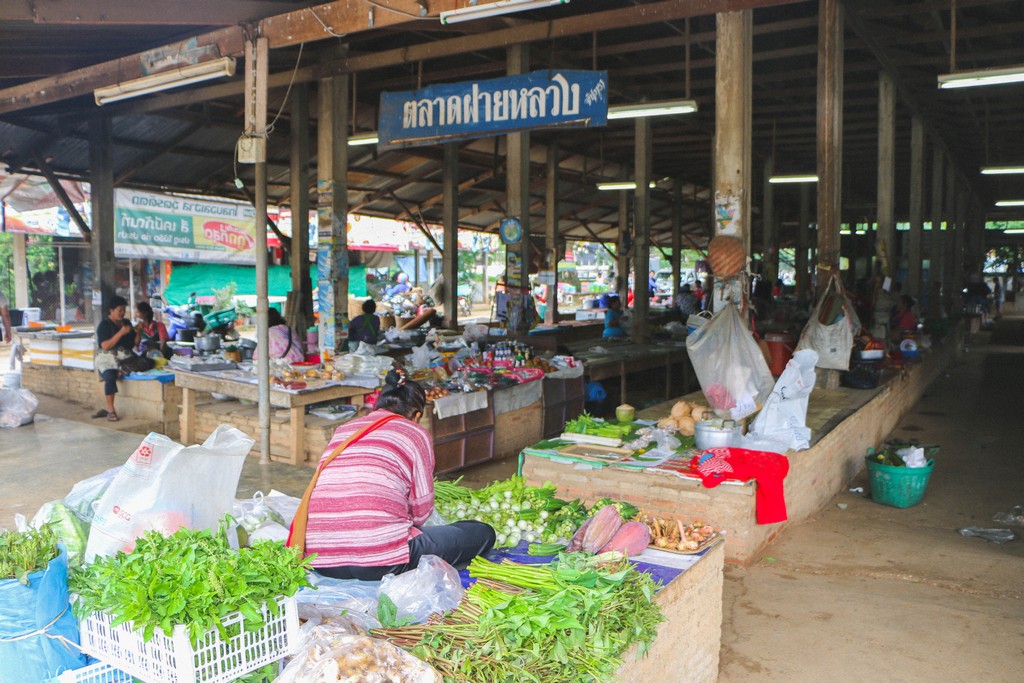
<point x="42" y="609"/>
<point x="595" y="392"/>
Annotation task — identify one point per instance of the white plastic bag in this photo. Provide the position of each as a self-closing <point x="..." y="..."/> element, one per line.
<point x="730" y="367"/>
<point x="434" y="586"/>
<point x="783" y="420"/>
<point x="165" y="486"/>
<point x="832" y="340"/>
<point x="17" y="407"/>
<point x="913" y="456"/>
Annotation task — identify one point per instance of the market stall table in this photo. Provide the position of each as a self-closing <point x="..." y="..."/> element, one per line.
<point x="609" y="359"/>
<point x="238" y="384"/>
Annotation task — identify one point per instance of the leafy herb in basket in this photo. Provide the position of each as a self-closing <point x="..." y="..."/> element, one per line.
<point x="24" y="552"/>
<point x="191" y="577"/>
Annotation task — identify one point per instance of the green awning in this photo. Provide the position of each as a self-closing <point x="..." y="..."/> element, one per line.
<point x="203" y="278"/>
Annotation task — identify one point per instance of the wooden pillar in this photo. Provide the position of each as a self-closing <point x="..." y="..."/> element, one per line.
<point x="101" y="179"/>
<point x="642" y="230"/>
<point x="960" y="265"/>
<point x="914" y="254"/>
<point x="20" y="269"/>
<point x="623" y="248"/>
<point x="301" y="296"/>
<point x="450" y="256"/>
<point x="830" y="138"/>
<point x="518" y="182"/>
<point x="885" y="238"/>
<point x="769" y="246"/>
<point x="332" y="211"/>
<point x="551" y="236"/>
<point x="677" y="239"/>
<point x="935" y="265"/>
<point x="733" y="137"/>
<point x="949" y="265"/>
<point x="803" y="271"/>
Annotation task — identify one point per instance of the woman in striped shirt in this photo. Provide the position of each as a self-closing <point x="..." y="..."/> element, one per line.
<point x="367" y="510"/>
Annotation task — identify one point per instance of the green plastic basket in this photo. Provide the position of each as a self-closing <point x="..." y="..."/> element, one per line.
<point x="900" y="487"/>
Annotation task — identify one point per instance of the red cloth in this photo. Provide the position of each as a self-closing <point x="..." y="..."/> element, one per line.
<point x="715" y="465"/>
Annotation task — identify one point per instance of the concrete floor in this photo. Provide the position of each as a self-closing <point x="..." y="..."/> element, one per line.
<point x="865" y="593"/>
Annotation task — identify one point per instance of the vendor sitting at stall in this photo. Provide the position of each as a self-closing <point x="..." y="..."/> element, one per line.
<point x="368" y="507"/>
<point x="114" y="339"/>
<point x="150" y="334"/>
<point x="365" y="327"/>
<point x="903" y="319"/>
<point x="613" y="319"/>
<point x="284" y="343"/>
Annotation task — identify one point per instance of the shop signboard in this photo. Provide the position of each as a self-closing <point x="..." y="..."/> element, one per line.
<point x="473" y="109"/>
<point x="171" y="228"/>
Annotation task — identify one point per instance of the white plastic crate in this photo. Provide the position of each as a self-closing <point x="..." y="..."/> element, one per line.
<point x="95" y="673"/>
<point x="173" y="659"/>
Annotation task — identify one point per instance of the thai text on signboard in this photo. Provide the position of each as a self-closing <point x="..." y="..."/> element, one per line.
<point x="542" y="99"/>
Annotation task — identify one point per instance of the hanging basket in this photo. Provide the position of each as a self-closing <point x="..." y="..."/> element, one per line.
<point x="726" y="256"/>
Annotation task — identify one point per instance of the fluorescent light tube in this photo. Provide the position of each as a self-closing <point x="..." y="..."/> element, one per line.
<point x="363" y="139"/>
<point x="970" y="79"/>
<point x="781" y="179"/>
<point x="1002" y="170"/>
<point x="166" y="80"/>
<point x="1011" y="202"/>
<point x="623" y="185"/>
<point x="666" y="108"/>
<point x="494" y="9"/>
<point x="1014" y="231"/>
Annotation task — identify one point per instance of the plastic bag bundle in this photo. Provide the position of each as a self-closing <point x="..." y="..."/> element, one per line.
<point x="165" y="486"/>
<point x="831" y="328"/>
<point x="325" y="657"/>
<point x="730" y="367"/>
<point x="17" y="407"/>
<point x="72" y="532"/>
<point x="434" y="586"/>
<point x="782" y="423"/>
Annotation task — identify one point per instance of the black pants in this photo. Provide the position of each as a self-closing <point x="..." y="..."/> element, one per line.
<point x="456" y="544"/>
<point x="109" y="378"/>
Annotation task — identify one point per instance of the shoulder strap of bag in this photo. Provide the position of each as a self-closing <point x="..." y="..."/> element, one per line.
<point x="284" y="354"/>
<point x="297" y="532"/>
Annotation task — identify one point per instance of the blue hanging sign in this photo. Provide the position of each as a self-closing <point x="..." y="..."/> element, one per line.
<point x="474" y="109"/>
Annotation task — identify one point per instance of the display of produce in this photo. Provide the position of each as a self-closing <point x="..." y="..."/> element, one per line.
<point x="22" y="553"/>
<point x="684" y="417"/>
<point x="674" y="535"/>
<point x="570" y="621"/>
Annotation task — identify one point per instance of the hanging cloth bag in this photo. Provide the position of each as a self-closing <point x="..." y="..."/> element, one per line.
<point x="297" y="533"/>
<point x="831" y="328"/>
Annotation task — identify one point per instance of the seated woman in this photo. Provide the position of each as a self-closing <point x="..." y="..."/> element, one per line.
<point x="284" y="343"/>
<point x="903" y="319"/>
<point x="365" y="327"/>
<point x="613" y="319"/>
<point x="150" y="334"/>
<point x="368" y="507"/>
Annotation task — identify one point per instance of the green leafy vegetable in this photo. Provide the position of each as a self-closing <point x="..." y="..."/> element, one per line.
<point x="24" y="552"/>
<point x="387" y="613"/>
<point x="191" y="577"/>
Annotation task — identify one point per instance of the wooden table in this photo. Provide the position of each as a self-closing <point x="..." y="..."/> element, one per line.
<point x="295" y="401"/>
<point x="627" y="358"/>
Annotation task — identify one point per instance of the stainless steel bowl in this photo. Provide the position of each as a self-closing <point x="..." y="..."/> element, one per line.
<point x="207" y="343"/>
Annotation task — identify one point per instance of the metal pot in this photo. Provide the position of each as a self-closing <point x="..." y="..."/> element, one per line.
<point x="716" y="433"/>
<point x="208" y="343"/>
<point x="246" y="346"/>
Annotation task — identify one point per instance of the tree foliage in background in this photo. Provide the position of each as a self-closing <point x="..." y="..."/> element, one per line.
<point x="41" y="257"/>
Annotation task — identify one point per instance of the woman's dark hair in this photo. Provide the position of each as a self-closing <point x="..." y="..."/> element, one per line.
<point x="145" y="310"/>
<point x="369" y="306"/>
<point x="274" y="318"/>
<point x="116" y="301"/>
<point x="402" y="396"/>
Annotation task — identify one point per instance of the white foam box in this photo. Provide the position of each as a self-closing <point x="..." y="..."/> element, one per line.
<point x="45" y="351"/>
<point x="79" y="353"/>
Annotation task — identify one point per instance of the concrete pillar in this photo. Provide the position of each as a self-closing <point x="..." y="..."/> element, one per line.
<point x="885" y="239"/>
<point x="677" y="238"/>
<point x="518" y="181"/>
<point x="332" y="210"/>
<point x="949" y="265"/>
<point x="830" y="138"/>
<point x="101" y="179"/>
<point x="642" y="230"/>
<point x="302" y="290"/>
<point x="450" y="256"/>
<point x="551" y="236"/>
<point x="935" y="253"/>
<point x="914" y="253"/>
<point x="623" y="248"/>
<point x="803" y="271"/>
<point x="20" y="270"/>
<point x="770" y="247"/>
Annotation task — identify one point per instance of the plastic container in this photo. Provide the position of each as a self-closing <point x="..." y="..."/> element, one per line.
<point x="899" y="487"/>
<point x="95" y="673"/>
<point x="174" y="660"/>
<point x="780" y="348"/>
